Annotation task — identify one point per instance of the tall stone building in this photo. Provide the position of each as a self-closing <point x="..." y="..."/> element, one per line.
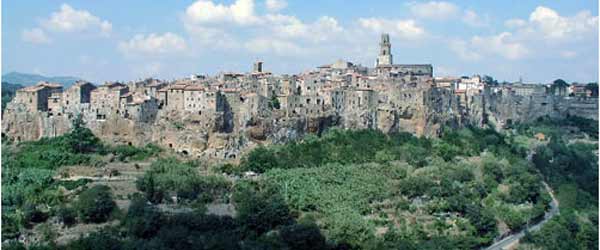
<point x="36" y="97"/>
<point x="258" y="67"/>
<point x="385" y="51"/>
<point x="385" y="63"/>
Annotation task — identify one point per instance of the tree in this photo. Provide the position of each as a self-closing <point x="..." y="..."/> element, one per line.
<point x="274" y="103"/>
<point x="95" y="204"/>
<point x="142" y="221"/>
<point x="301" y="236"/>
<point x="559" y="85"/>
<point x="81" y="139"/>
<point x="489" y="80"/>
<point x="593" y="87"/>
<point x="67" y="215"/>
<point x="260" y="210"/>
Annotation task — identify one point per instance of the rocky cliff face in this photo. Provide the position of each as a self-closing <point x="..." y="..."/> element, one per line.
<point x="228" y="135"/>
<point x="505" y="109"/>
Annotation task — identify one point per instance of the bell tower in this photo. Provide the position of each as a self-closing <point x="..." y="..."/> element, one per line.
<point x="385" y="51"/>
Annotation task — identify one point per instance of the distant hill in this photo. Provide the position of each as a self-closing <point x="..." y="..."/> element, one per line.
<point x="31" y="79"/>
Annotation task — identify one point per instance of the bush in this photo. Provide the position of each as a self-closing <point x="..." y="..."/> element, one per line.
<point x="167" y="177"/>
<point x="67" y="215"/>
<point x="14" y="245"/>
<point x="95" y="204"/>
<point x="101" y="240"/>
<point x="32" y="214"/>
<point x="127" y="152"/>
<point x="142" y="220"/>
<point x="300" y="237"/>
<point x="260" y="210"/>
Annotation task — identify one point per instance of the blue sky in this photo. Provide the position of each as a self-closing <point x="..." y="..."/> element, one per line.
<point x="126" y="40"/>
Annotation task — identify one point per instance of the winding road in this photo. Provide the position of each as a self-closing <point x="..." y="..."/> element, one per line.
<point x="515" y="237"/>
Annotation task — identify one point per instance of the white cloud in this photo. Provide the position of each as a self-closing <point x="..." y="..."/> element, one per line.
<point x="475" y="20"/>
<point x="213" y="26"/>
<point x="153" y="44"/>
<point x="214" y="37"/>
<point x="35" y="35"/>
<point x="545" y="34"/>
<point x="515" y="23"/>
<point x="321" y="30"/>
<point x="275" y="5"/>
<point x="567" y="54"/>
<point x="405" y="29"/>
<point x="434" y="10"/>
<point x="553" y="26"/>
<point x="241" y="12"/>
<point x="502" y="44"/>
<point x="69" y="19"/>
<point x="442" y="70"/>
<point x="276" y="46"/>
<point x="462" y="49"/>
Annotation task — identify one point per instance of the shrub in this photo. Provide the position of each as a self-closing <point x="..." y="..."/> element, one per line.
<point x="101" y="240"/>
<point x="32" y="214"/>
<point x="260" y="210"/>
<point x="171" y="177"/>
<point x="95" y="204"/>
<point x="142" y="220"/>
<point x="67" y="215"/>
<point x="14" y="245"/>
<point x="299" y="237"/>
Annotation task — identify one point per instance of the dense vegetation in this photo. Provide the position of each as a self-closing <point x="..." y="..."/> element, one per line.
<point x="8" y="92"/>
<point x="171" y="178"/>
<point x="365" y="188"/>
<point x="30" y="193"/>
<point x="571" y="169"/>
<point x="343" y="190"/>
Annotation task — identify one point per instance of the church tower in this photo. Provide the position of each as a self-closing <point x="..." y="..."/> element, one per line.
<point x="385" y="51"/>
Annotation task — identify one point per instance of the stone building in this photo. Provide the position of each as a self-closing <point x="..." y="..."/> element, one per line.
<point x="198" y="99"/>
<point x="528" y="89"/>
<point x="55" y="104"/>
<point x="153" y="86"/>
<point x="105" y="101"/>
<point x="385" y="65"/>
<point x="78" y="94"/>
<point x="141" y="110"/>
<point x="175" y="100"/>
<point x="305" y="105"/>
<point x="258" y="67"/>
<point x="385" y="52"/>
<point x="35" y="98"/>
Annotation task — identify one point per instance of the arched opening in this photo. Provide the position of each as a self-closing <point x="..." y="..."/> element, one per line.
<point x="170" y="145"/>
<point x="130" y="144"/>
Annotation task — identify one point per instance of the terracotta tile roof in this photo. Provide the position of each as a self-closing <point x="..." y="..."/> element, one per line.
<point x="194" y="88"/>
<point x="40" y="86"/>
<point x="178" y="86"/>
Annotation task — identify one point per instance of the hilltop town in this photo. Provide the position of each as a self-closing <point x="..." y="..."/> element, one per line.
<point x="222" y="116"/>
